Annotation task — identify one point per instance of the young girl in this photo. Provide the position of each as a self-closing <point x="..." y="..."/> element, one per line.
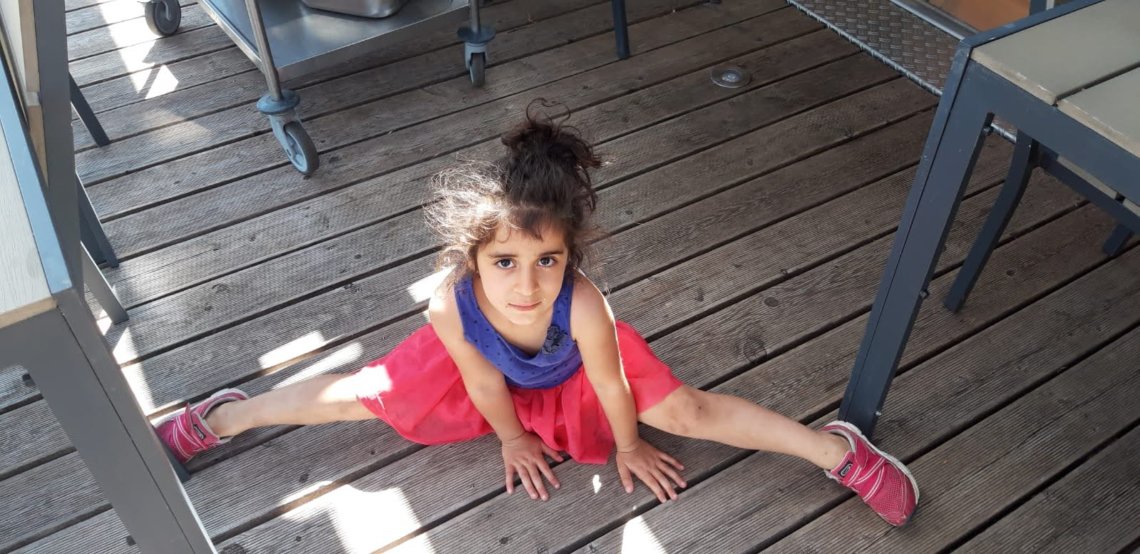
<point x="521" y="343"/>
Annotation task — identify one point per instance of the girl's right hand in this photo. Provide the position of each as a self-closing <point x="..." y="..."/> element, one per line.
<point x="524" y="455"/>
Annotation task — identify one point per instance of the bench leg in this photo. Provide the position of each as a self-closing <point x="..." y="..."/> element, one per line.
<point x="948" y="159"/>
<point x="1117" y="241"/>
<point x="1020" y="168"/>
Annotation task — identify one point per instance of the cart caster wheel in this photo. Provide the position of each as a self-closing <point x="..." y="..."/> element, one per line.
<point x="477" y="68"/>
<point x="300" y="149"/>
<point x="163" y="16"/>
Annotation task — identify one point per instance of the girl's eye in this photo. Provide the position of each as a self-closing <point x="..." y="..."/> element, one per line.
<point x="504" y="263"/>
<point x="547" y="262"/>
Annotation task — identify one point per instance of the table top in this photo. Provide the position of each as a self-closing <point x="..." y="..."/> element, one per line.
<point x="24" y="291"/>
<point x="1087" y="63"/>
<point x="1065" y="55"/>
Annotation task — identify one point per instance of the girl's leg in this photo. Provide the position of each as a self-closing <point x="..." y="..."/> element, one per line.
<point x="321" y="399"/>
<point x="737" y="422"/>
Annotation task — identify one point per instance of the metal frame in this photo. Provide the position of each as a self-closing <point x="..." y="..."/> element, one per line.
<point x="62" y="348"/>
<point x="54" y="98"/>
<point x="86" y="114"/>
<point x="972" y="97"/>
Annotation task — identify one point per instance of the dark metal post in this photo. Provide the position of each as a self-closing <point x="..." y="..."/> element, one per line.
<point x="1117" y="241"/>
<point x="621" y="28"/>
<point x="947" y="161"/>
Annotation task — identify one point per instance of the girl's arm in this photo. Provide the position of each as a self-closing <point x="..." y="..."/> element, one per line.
<point x="522" y="452"/>
<point x="592" y="324"/>
<point x="596" y="333"/>
<point x="484" y="383"/>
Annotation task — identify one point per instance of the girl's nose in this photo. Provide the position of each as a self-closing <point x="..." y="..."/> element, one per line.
<point x="528" y="282"/>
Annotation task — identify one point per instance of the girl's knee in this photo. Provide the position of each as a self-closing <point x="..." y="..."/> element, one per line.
<point x="683" y="412"/>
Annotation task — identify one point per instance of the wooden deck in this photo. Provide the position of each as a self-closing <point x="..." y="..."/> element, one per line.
<point x="748" y="231"/>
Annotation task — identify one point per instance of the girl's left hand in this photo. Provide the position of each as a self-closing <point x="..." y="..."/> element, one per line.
<point x="658" y="470"/>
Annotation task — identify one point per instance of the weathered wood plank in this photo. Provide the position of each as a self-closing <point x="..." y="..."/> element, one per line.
<point x="126" y="32"/>
<point x="249" y="242"/>
<point x="70" y="5"/>
<point x="386" y="121"/>
<point x="876" y="153"/>
<point x="871" y="151"/>
<point x="987" y="369"/>
<point x="1092" y="509"/>
<point x="30" y="434"/>
<point x="223" y="99"/>
<point x="75" y="497"/>
<point x="230" y="517"/>
<point x="220" y="303"/>
<point x="988" y="467"/>
<point x="224" y="518"/>
<point x="415" y="486"/>
<point x="749" y="331"/>
<point x="431" y="503"/>
<point x="144" y="378"/>
<point x="220" y="66"/>
<point x="109" y="13"/>
<point x="495" y="517"/>
<point x="149" y="55"/>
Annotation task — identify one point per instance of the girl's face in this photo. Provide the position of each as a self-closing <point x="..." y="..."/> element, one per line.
<point x="521" y="275"/>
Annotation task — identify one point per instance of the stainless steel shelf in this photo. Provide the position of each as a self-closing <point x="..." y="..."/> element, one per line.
<point x="303" y="39"/>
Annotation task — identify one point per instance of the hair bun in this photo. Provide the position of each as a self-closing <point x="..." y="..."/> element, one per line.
<point x="540" y="137"/>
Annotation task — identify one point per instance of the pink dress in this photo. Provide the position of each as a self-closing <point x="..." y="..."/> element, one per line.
<point x="417" y="389"/>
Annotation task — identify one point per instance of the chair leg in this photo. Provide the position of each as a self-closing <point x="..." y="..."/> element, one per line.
<point x="621" y="28"/>
<point x="102" y="290"/>
<point x="1020" y="168"/>
<point x="91" y="231"/>
<point x="947" y="161"/>
<point x="1117" y="241"/>
<point x="87" y="115"/>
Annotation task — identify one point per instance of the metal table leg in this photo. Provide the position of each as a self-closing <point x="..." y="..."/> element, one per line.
<point x="947" y="161"/>
<point x="1020" y="168"/>
<point x="621" y="28"/>
<point x="1117" y="241"/>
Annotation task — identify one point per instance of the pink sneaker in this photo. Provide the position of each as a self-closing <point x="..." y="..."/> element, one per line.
<point x="186" y="434"/>
<point x="883" y="482"/>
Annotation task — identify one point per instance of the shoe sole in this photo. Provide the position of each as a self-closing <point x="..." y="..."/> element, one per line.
<point x="906" y="471"/>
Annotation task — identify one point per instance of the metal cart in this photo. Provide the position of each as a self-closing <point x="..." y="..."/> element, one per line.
<point x="286" y="38"/>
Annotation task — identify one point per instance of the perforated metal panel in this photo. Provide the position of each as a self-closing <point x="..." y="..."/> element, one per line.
<point x="899" y="38"/>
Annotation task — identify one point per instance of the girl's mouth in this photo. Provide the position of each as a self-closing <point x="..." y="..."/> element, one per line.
<point x="525" y="307"/>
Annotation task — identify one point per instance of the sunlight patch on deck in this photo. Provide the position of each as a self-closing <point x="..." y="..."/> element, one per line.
<point x="356" y="514"/>
<point x="292" y="349"/>
<point x="638" y="538"/>
<point x="163" y="82"/>
<point x="136" y="379"/>
<point x="421" y="290"/>
<point x="337" y="359"/>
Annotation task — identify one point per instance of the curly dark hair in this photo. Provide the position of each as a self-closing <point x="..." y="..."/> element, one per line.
<point x="543" y="180"/>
